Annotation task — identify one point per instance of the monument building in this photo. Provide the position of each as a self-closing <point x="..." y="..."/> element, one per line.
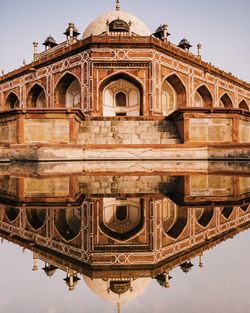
<point x="122" y="91"/>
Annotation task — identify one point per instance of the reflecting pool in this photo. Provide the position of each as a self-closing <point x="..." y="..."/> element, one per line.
<point x="144" y="240"/>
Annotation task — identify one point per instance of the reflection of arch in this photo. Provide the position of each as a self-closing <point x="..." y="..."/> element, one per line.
<point x="227" y="211"/>
<point x="68" y="223"/>
<point x="169" y="213"/>
<point x="12" y="101"/>
<point x="225" y="101"/>
<point x="204" y="216"/>
<point x="12" y="214"/>
<point x="121" y="87"/>
<point x="67" y="92"/>
<point x="243" y="105"/>
<point x="173" y="94"/>
<point x="36" y="97"/>
<point x="244" y="207"/>
<point x="203" y="97"/>
<point x="122" y="219"/>
<point x="178" y="224"/>
<point x="36" y="217"/>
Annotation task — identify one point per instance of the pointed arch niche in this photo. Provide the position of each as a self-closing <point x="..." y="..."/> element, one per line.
<point x="243" y="105"/>
<point x="67" y="93"/>
<point x="203" y="98"/>
<point x="225" y="101"/>
<point x="122" y="219"/>
<point x="12" y="101"/>
<point x="173" y="94"/>
<point x="36" y="97"/>
<point x="121" y="96"/>
<point x="174" y="221"/>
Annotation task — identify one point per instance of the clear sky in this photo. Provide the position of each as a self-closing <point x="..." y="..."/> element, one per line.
<point x="222" y="26"/>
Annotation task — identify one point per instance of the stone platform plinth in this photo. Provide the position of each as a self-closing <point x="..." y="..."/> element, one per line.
<point x="68" y="135"/>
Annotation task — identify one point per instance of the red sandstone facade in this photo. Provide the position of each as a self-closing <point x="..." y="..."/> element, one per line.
<point x="119" y="72"/>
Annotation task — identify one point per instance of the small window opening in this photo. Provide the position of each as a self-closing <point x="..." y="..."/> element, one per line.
<point x="121" y="212"/>
<point x="121" y="99"/>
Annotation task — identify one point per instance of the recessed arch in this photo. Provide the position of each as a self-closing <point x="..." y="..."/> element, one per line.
<point x="68" y="223"/>
<point x="118" y="84"/>
<point x="227" y="211"/>
<point x="122" y="219"/>
<point x="204" y="216"/>
<point x="12" y="213"/>
<point x="173" y="94"/>
<point x="225" y="101"/>
<point x="178" y="226"/>
<point x="12" y="101"/>
<point x="244" y="207"/>
<point x="243" y="105"/>
<point x="67" y="93"/>
<point x="205" y="96"/>
<point x="36" y="218"/>
<point x="36" y="97"/>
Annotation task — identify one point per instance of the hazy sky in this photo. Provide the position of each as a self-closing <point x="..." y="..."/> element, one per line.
<point x="222" y="286"/>
<point x="222" y="26"/>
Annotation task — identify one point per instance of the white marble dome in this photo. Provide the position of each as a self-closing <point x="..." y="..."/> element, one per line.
<point x="98" y="26"/>
<point x="99" y="287"/>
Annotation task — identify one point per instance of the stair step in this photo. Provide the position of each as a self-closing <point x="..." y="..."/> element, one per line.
<point x="127" y="132"/>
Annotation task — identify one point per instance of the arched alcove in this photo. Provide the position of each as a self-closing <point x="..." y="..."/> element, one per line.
<point x="121" y="95"/>
<point x="227" y="211"/>
<point x="36" y="97"/>
<point x="176" y="222"/>
<point x="67" y="93"/>
<point x="122" y="219"/>
<point x="68" y="223"/>
<point x="204" y="216"/>
<point x="12" y="213"/>
<point x="36" y="217"/>
<point x="243" y="105"/>
<point x="203" y="97"/>
<point x="244" y="208"/>
<point x="173" y="94"/>
<point x="225" y="101"/>
<point x="12" y="101"/>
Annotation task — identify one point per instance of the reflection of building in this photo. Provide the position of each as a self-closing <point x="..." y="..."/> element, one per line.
<point x="115" y="268"/>
<point x="119" y="232"/>
<point x="116" y="86"/>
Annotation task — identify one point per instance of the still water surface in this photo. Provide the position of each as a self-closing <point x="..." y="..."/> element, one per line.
<point x="128" y="242"/>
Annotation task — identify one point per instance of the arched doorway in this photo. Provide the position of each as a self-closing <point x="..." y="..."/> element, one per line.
<point x="67" y="93"/>
<point x="121" y="96"/>
<point x="203" y="98"/>
<point x="36" y="97"/>
<point x="122" y="218"/>
<point x="173" y="94"/>
<point x="12" y="101"/>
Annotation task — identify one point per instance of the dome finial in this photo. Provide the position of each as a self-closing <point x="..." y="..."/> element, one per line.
<point x="118" y="7"/>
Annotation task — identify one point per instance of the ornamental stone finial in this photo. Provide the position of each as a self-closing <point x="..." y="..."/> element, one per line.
<point x="118" y="7"/>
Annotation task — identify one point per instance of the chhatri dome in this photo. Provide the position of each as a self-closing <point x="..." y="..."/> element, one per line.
<point x="100" y="25"/>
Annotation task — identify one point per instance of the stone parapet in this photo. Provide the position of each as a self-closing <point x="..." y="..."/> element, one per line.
<point x="215" y="125"/>
<point x="31" y="126"/>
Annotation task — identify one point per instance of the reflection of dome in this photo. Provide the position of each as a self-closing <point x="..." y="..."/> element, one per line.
<point x="119" y="292"/>
<point x="99" y="26"/>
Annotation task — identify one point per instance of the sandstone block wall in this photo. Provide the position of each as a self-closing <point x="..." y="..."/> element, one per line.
<point x="127" y="132"/>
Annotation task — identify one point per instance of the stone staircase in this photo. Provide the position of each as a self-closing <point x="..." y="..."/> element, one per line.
<point x="127" y="131"/>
